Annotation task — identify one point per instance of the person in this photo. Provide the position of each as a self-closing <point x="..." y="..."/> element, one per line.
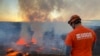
<point x="81" y="40"/>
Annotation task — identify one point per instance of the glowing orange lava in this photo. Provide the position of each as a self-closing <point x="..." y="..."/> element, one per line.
<point x="21" y="41"/>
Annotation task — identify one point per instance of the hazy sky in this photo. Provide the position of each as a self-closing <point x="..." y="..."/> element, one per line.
<point x="48" y="10"/>
<point x="9" y="10"/>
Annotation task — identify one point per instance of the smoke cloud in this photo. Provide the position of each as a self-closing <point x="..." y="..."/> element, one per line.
<point x="39" y="10"/>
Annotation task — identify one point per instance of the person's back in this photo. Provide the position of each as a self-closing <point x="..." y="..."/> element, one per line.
<point x="82" y="41"/>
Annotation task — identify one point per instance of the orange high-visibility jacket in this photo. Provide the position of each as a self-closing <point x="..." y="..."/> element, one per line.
<point x="81" y="40"/>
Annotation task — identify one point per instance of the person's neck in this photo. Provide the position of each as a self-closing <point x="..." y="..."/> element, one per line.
<point x="78" y="25"/>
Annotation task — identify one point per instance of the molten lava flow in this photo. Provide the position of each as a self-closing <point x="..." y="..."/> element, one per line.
<point x="11" y="52"/>
<point x="34" y="41"/>
<point x="21" y="41"/>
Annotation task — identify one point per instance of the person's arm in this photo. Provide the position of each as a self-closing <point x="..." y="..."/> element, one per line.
<point x="68" y="50"/>
<point x="94" y="42"/>
<point x="93" y="46"/>
<point x="68" y="43"/>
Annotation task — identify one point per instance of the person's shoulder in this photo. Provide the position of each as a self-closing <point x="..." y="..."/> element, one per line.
<point x="71" y="33"/>
<point x="89" y="29"/>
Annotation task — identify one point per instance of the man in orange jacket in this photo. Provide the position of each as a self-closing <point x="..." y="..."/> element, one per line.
<point x="81" y="40"/>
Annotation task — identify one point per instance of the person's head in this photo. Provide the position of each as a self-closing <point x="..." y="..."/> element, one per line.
<point x="74" y="20"/>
